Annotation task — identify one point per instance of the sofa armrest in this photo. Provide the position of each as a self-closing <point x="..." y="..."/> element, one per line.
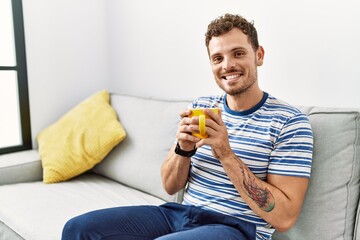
<point x="24" y="166"/>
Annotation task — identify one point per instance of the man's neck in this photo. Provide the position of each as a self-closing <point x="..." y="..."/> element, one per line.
<point x="244" y="101"/>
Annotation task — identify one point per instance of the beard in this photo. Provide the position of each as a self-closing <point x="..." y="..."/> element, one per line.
<point x="244" y="84"/>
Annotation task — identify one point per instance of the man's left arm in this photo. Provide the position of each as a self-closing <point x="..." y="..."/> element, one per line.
<point x="278" y="200"/>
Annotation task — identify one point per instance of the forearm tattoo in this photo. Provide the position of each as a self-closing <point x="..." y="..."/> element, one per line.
<point x="261" y="195"/>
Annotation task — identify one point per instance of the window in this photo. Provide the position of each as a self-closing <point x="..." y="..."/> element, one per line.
<point x="15" y="133"/>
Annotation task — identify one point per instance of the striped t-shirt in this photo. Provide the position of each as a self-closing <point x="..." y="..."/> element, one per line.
<point x="272" y="137"/>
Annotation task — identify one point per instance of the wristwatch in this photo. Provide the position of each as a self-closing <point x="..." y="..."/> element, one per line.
<point x="183" y="153"/>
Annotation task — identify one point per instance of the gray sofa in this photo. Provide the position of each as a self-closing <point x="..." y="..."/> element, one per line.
<point x="130" y="175"/>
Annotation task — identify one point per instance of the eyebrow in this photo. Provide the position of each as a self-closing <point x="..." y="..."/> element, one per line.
<point x="238" y="48"/>
<point x="232" y="50"/>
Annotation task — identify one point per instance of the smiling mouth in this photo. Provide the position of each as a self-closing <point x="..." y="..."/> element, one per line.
<point x="231" y="77"/>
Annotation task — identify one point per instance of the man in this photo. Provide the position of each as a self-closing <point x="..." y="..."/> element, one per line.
<point x="248" y="178"/>
<point x="262" y="146"/>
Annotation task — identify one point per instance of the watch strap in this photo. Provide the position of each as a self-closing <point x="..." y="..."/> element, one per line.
<point x="183" y="153"/>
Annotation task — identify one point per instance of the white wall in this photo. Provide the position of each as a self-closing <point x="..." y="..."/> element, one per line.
<point x="66" y="49"/>
<point x="156" y="49"/>
<point x="311" y="48"/>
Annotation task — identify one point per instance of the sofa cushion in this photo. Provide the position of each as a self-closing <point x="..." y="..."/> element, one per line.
<point x="7" y="233"/>
<point x="329" y="210"/>
<point x="80" y="139"/>
<point x="151" y="127"/>
<point x="38" y="211"/>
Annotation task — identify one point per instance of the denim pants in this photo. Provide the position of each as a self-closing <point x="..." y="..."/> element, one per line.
<point x="170" y="221"/>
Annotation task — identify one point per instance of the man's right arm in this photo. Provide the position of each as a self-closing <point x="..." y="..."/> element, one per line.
<point x="175" y="172"/>
<point x="175" y="169"/>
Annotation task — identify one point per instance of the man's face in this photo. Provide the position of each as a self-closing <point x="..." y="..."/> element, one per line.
<point x="234" y="62"/>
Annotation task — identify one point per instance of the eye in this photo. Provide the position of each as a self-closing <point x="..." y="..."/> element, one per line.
<point x="239" y="53"/>
<point x="217" y="59"/>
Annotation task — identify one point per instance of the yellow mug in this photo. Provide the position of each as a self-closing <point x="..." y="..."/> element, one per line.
<point x="199" y="112"/>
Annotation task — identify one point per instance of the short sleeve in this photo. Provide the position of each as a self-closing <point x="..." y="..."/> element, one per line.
<point x="292" y="153"/>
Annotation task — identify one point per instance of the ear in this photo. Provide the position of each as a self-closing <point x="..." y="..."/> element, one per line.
<point x="260" y="56"/>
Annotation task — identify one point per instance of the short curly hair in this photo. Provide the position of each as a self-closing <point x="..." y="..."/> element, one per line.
<point x="227" y="22"/>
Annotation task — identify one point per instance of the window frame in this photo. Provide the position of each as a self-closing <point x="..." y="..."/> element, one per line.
<point x="21" y="69"/>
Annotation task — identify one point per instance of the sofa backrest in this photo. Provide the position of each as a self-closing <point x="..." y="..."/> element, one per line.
<point x="151" y="127"/>
<point x="331" y="204"/>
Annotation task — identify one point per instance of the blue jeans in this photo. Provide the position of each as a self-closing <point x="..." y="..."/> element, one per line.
<point x="170" y="221"/>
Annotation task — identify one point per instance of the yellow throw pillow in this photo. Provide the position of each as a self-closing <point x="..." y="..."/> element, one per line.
<point x="80" y="139"/>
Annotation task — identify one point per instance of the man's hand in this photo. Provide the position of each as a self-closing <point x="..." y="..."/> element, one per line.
<point x="186" y="126"/>
<point x="218" y="138"/>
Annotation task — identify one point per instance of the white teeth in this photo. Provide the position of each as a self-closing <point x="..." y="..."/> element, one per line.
<point x="231" y="77"/>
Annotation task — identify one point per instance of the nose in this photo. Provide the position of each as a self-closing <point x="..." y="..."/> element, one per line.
<point x="228" y="64"/>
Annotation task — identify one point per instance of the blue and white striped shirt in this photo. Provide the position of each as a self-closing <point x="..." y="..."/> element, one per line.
<point x="271" y="138"/>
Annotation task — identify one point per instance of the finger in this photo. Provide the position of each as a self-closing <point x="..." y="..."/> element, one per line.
<point x="185" y="113"/>
<point x="215" y="116"/>
<point x="188" y="128"/>
<point x="186" y="137"/>
<point x="185" y="121"/>
<point x="201" y="143"/>
<point x="212" y="126"/>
